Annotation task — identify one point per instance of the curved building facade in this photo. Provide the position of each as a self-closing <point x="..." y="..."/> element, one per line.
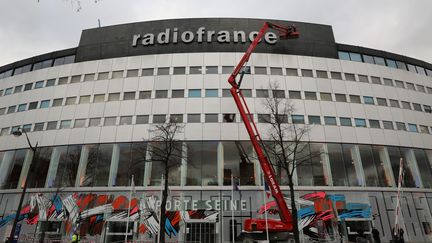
<point x="90" y="109"/>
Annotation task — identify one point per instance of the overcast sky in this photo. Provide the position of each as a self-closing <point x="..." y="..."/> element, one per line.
<point x="29" y="27"/>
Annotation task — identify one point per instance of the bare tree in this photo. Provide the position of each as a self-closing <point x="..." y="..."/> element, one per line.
<point x="165" y="149"/>
<point x="288" y="147"/>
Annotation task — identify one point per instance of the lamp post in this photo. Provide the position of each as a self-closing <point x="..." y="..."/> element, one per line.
<point x="18" y="133"/>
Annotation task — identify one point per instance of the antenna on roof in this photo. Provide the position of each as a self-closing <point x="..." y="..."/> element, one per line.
<point x="99" y="23"/>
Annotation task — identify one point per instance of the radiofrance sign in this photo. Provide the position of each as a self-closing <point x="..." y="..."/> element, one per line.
<point x="200" y="35"/>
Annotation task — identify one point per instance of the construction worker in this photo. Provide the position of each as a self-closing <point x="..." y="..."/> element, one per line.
<point x="75" y="238"/>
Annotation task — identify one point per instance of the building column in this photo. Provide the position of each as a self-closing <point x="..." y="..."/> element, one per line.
<point x="26" y="168"/>
<point x="325" y="160"/>
<point x="183" y="166"/>
<point x="81" y="171"/>
<point x="6" y="166"/>
<point x="114" y="165"/>
<point x="54" y="163"/>
<point x="148" y="165"/>
<point x="220" y="163"/>
<point x="385" y="161"/>
<point x="358" y="166"/>
<point x="412" y="165"/>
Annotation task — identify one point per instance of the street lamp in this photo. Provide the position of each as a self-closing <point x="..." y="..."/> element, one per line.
<point x="18" y="133"/>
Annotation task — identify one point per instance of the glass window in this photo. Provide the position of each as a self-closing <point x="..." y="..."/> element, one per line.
<point x="179" y="70"/>
<point x="18" y="89"/>
<point x="344" y="55"/>
<point x="336" y="75"/>
<point x="145" y="94"/>
<point x="65" y="124"/>
<point x="391" y="63"/>
<point x="27" y="127"/>
<point x="63" y="80"/>
<point x="8" y="91"/>
<point x="400" y="126"/>
<point x="158" y="167"/>
<point x="371" y="158"/>
<point x="11" y="109"/>
<point x="79" y="123"/>
<point x="388" y="125"/>
<point x="85" y="99"/>
<point x="49" y="83"/>
<point x="77" y="78"/>
<point x="381" y="101"/>
<point x="297" y="119"/>
<point x="360" y="122"/>
<point x="67" y="165"/>
<point x="406" y="105"/>
<point x="379" y="61"/>
<point x="142" y="119"/>
<point x="194" y="93"/>
<point x="113" y="96"/>
<point x="281" y="118"/>
<point x="428" y="72"/>
<point x="4" y="131"/>
<point x="132" y="159"/>
<point x="310" y="95"/>
<point x="368" y="100"/>
<point x="314" y="120"/>
<point x="345" y="121"/>
<point x="321" y="74"/>
<point x="226" y="93"/>
<point x="176" y="118"/>
<point x="110" y="121"/>
<point x="95" y="122"/>
<point x="52" y="125"/>
<point x="355" y="99"/>
<point x="70" y="101"/>
<point x="2" y="111"/>
<point x="262" y="93"/>
<point x="264" y="118"/>
<point x="98" y="98"/>
<point x="275" y="71"/>
<point x="41" y="164"/>
<point x="22" y="107"/>
<point x="159" y="118"/>
<point x="424" y="163"/>
<point x="98" y="165"/>
<point x="246" y="92"/>
<point x="395" y="154"/>
<point x="13" y="173"/>
<point x="427" y="108"/>
<point x="210" y="118"/>
<point x="15" y="128"/>
<point x="195" y="70"/>
<point x="57" y="102"/>
<point x="117" y="74"/>
<point x="33" y="105"/>
<point x="103" y="76"/>
<point x="429" y="90"/>
<point x="278" y="93"/>
<point x="235" y="165"/>
<point x="89" y="77"/>
<point x="163" y="71"/>
<point x="326" y="96"/>
<point x="350" y="77"/>
<point x="412" y="127"/>
<point x="424" y="129"/>
<point x="44" y="104"/>
<point x="330" y="120"/>
<point x="69" y="59"/>
<point x="194" y="118"/>
<point x="129" y="95"/>
<point x="341" y="97"/>
<point x="261" y="70"/>
<point x="125" y="120"/>
<point x="388" y="82"/>
<point x="29" y="86"/>
<point x="342" y="164"/>
<point x="417" y="107"/>
<point x="355" y="57"/>
<point x="394" y="103"/>
<point x="229" y="117"/>
<point x="399" y="84"/>
<point x="211" y="93"/>
<point x="132" y="73"/>
<point x="294" y="94"/>
<point x="368" y="59"/>
<point x="178" y="93"/>
<point x="39" y="84"/>
<point x="374" y="123"/>
<point x="227" y="69"/>
<point x="363" y="78"/>
<point x="411" y="68"/>
<point x="291" y="72"/>
<point x="410" y="86"/>
<point x="307" y="73"/>
<point x="375" y="80"/>
<point x="421" y="88"/>
<point x="147" y="72"/>
<point x="211" y="70"/>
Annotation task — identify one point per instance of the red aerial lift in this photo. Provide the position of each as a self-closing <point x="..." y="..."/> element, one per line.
<point x="255" y="224"/>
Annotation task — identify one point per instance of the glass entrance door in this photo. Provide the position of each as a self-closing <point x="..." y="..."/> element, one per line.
<point x="198" y="232"/>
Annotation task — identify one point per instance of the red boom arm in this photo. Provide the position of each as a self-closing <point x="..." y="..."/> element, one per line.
<point x="285" y="215"/>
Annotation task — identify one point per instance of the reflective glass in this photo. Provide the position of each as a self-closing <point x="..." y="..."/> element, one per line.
<point x="13" y="169"/>
<point x="391" y="63"/>
<point x="147" y="72"/>
<point x="159" y="164"/>
<point x="424" y="166"/>
<point x="236" y="156"/>
<point x="330" y="120"/>
<point x="342" y="165"/>
<point x="373" y="167"/>
<point x="360" y="122"/>
<point x="344" y="55"/>
<point x="211" y="93"/>
<point x="355" y="57"/>
<point x="177" y="93"/>
<point x="40" y="168"/>
<point x="211" y="70"/>
<point x="395" y="154"/>
<point x="368" y="59"/>
<point x="194" y="93"/>
<point x="379" y="61"/>
<point x="98" y="164"/>
<point x="67" y="166"/>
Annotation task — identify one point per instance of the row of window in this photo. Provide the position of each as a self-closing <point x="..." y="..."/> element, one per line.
<point x="196" y="93"/>
<point x="39" y="65"/>
<point x="214" y="70"/>
<point x="210" y="163"/>
<point x="215" y="118"/>
<point x="352" y="56"/>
